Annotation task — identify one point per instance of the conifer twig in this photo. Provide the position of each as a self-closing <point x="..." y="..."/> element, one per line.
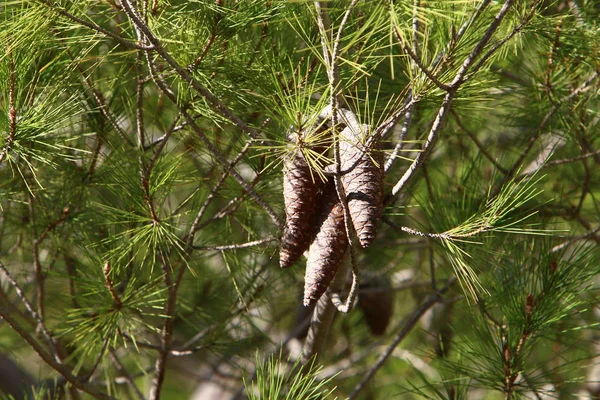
<point x="12" y="111"/>
<point x="590" y="233"/>
<point x="580" y="89"/>
<point x="572" y="159"/>
<point x="227" y="166"/>
<point x="195" y="225"/>
<point x="403" y="132"/>
<point x="37" y="265"/>
<point x="420" y="64"/>
<point x="110" y="286"/>
<point x="446" y="103"/>
<point x="508" y="37"/>
<point x="61" y="11"/>
<point x="214" y="101"/>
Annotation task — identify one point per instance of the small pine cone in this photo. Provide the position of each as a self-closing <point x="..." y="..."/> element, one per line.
<point x="302" y="189"/>
<point x="327" y="249"/>
<point x="363" y="184"/>
<point x="377" y="307"/>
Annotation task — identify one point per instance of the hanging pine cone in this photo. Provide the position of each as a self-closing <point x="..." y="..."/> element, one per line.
<point x="328" y="247"/>
<point x="302" y="189"/>
<point x="364" y="183"/>
<point x="377" y="306"/>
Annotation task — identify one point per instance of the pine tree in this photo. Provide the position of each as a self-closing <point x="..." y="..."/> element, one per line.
<point x="144" y="147"/>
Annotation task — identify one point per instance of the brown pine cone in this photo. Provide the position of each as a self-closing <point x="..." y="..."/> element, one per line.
<point x="328" y="247"/>
<point x="377" y="307"/>
<point x="302" y="189"/>
<point x="364" y="183"/>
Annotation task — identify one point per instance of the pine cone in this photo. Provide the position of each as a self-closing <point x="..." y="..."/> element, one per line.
<point x="377" y="307"/>
<point x="363" y="184"/>
<point x="302" y="189"/>
<point x="327" y="249"/>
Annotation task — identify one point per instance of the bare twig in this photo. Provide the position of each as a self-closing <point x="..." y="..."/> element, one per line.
<point x="124" y="374"/>
<point x="586" y="235"/>
<point x="33" y="313"/>
<point x="406" y="328"/>
<point x="477" y="143"/>
<point x="37" y="265"/>
<point x="572" y="159"/>
<point x="403" y="132"/>
<point x="237" y="246"/>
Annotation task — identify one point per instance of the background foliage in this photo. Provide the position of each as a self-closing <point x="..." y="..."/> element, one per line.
<point x="141" y="145"/>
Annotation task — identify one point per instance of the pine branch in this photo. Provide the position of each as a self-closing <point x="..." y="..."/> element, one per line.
<point x="97" y="28"/>
<point x="446" y="103"/>
<point x="227" y="166"/>
<point x="53" y="359"/>
<point x="215" y="102"/>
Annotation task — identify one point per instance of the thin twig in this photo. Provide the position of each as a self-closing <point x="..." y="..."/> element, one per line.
<point x="104" y="109"/>
<point x="433" y="299"/>
<point x="166" y="336"/>
<point x="33" y="313"/>
<point x="12" y="110"/>
<point x="580" y="89"/>
<point x="508" y="37"/>
<point x="237" y="246"/>
<point x="124" y="373"/>
<point x="48" y="359"/>
<point x="403" y="132"/>
<point x="477" y="143"/>
<point x="431" y="139"/>
<point x="573" y="159"/>
<point x="37" y="265"/>
<point x="195" y="225"/>
<point x="420" y="64"/>
<point x="110" y="286"/>
<point x="241" y="307"/>
<point x="586" y="235"/>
